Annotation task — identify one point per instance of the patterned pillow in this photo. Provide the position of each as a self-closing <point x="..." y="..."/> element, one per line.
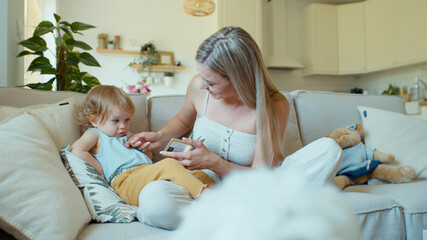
<point x="104" y="204"/>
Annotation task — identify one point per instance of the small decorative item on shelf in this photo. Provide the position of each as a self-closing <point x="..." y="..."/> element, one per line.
<point x="140" y="87"/>
<point x="102" y="40"/>
<point x="166" y="58"/>
<point x="149" y="55"/>
<point x="391" y="90"/>
<point x="117" y="42"/>
<point x="110" y="44"/>
<point x="168" y="79"/>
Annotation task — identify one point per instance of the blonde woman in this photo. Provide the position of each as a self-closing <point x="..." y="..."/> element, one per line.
<point x="233" y="105"/>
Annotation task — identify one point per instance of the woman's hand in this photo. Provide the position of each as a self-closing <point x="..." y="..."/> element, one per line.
<point x="144" y="141"/>
<point x="199" y="158"/>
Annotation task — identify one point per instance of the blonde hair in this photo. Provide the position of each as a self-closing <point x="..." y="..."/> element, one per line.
<point x="100" y="101"/>
<point x="233" y="53"/>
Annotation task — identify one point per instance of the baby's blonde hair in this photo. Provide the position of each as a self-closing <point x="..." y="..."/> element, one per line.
<point x="100" y="101"/>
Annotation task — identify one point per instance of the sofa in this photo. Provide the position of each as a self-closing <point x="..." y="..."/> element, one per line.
<point x="383" y="210"/>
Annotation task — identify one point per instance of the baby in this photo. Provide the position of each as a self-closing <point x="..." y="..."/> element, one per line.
<point x="106" y="113"/>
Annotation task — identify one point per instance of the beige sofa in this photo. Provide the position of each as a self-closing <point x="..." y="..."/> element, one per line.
<point x="384" y="211"/>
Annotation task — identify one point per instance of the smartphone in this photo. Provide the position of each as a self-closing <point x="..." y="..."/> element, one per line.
<point x="177" y="145"/>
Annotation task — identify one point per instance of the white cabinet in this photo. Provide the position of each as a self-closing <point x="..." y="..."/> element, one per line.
<point x="247" y="14"/>
<point x="411" y="31"/>
<point x="320" y="39"/>
<point x="380" y="35"/>
<point x="351" y="38"/>
<point x="372" y="35"/>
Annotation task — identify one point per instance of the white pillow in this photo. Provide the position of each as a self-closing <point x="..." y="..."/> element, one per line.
<point x="104" y="204"/>
<point x="58" y="118"/>
<point x="402" y="135"/>
<point x="38" y="198"/>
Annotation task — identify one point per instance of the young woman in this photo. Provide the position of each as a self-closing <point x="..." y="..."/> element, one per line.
<point x="233" y="105"/>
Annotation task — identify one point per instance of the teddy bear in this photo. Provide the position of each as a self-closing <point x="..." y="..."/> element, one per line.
<point x="361" y="163"/>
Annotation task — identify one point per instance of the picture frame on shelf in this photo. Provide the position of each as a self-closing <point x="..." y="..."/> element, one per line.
<point x="166" y="58"/>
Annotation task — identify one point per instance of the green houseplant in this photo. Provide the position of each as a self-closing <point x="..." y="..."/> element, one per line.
<point x="149" y="55"/>
<point x="66" y="70"/>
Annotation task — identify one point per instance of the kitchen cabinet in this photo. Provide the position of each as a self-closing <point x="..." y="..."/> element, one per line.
<point x="411" y="31"/>
<point x="265" y="21"/>
<point x="247" y="14"/>
<point x="320" y="39"/>
<point x="351" y="38"/>
<point x="373" y="35"/>
<point x="380" y="35"/>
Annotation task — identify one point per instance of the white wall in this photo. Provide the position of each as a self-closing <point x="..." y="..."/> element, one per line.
<point x="12" y="22"/>
<point x="3" y="42"/>
<point x="401" y="77"/>
<point x="161" y="21"/>
<point x="164" y="22"/>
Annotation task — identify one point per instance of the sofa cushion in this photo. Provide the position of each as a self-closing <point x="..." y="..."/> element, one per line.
<point x="319" y="113"/>
<point x="57" y="118"/>
<point x="28" y="97"/>
<point x="104" y="204"/>
<point x="411" y="197"/>
<point x="134" y="230"/>
<point x="38" y="198"/>
<point x="402" y="136"/>
<point x="292" y="137"/>
<point x="379" y="216"/>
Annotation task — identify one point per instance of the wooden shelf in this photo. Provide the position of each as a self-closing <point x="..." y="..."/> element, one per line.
<point x="105" y="50"/>
<point x="155" y="68"/>
<point x="160" y="68"/>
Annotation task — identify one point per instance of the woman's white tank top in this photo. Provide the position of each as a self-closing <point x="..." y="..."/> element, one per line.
<point x="233" y="146"/>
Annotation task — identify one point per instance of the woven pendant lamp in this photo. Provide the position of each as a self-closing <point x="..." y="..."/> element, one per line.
<point x="198" y="8"/>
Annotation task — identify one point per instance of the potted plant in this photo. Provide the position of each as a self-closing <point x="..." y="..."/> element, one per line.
<point x="168" y="79"/>
<point x="149" y="55"/>
<point x="102" y="40"/>
<point x="66" y="71"/>
<point x="110" y="44"/>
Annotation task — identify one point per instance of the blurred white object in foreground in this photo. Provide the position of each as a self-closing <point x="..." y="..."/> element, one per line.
<point x="266" y="204"/>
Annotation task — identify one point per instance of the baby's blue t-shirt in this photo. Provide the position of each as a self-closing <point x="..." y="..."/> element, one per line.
<point x="115" y="158"/>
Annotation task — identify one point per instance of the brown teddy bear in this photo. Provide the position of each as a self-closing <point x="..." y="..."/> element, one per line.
<point x="361" y="163"/>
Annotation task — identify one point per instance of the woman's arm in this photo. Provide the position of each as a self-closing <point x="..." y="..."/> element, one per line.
<point x="83" y="145"/>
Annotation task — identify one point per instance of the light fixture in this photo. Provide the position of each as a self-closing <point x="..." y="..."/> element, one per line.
<point x="198" y="8"/>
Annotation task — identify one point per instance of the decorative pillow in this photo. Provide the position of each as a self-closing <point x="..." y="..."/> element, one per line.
<point x="38" y="198"/>
<point x="402" y="135"/>
<point x="58" y="118"/>
<point x="104" y="204"/>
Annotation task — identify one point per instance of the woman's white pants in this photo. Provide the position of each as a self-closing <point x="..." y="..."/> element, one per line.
<point x="160" y="202"/>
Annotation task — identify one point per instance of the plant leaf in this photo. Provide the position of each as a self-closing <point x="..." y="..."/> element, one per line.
<point x="48" y="70"/>
<point x="67" y="32"/>
<point x="72" y="58"/>
<point x="39" y="63"/>
<point x="65" y="23"/>
<point x="90" y="80"/>
<point x="24" y="53"/>
<point x="35" y="43"/>
<point x="47" y="86"/>
<point x="57" y="17"/>
<point x="88" y="60"/>
<point x="79" y="26"/>
<point x="79" y="44"/>
<point x="43" y="28"/>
